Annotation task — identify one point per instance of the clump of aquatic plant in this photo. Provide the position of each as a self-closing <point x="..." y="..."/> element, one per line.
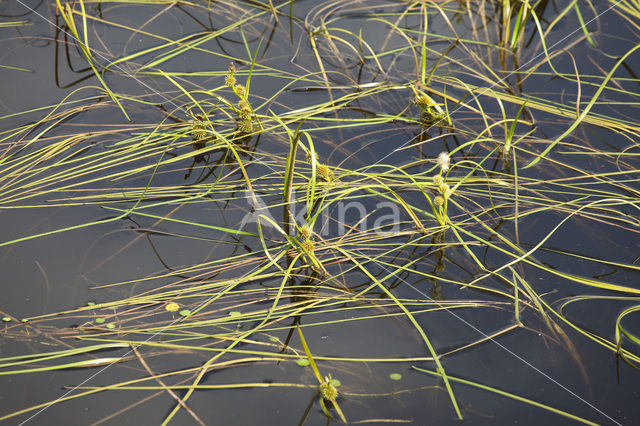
<point x="232" y="297"/>
<point x="430" y="112"/>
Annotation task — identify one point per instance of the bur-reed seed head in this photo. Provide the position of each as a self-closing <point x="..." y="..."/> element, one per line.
<point x="229" y="81"/>
<point x="198" y="128"/>
<point x="309" y="156"/>
<point x="245" y="114"/>
<point x="245" y="126"/>
<point x="305" y="232"/>
<point x="444" y="160"/>
<point x="424" y="101"/>
<point x="325" y="172"/>
<point x="327" y="390"/>
<point x="308" y="246"/>
<point x="445" y="190"/>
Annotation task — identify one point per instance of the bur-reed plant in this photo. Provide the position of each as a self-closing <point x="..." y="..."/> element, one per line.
<point x="485" y="199"/>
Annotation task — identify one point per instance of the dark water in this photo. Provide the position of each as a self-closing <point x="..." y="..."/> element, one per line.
<point x="59" y="272"/>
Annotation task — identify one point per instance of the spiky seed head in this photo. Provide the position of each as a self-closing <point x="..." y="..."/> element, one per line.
<point x="325" y="172"/>
<point x="245" y="114"/>
<point x="309" y="156"/>
<point x="244" y="105"/>
<point x="198" y="127"/>
<point x="245" y="110"/>
<point x="327" y="390"/>
<point x="308" y="246"/>
<point x="232" y="68"/>
<point x="438" y="200"/>
<point x="424" y="101"/>
<point x="305" y="232"/>
<point x="438" y="180"/>
<point x="240" y="90"/>
<point x="245" y="126"/>
<point x="444" y="160"/>
<point x="445" y="190"/>
<point x="198" y="133"/>
<point x="230" y="80"/>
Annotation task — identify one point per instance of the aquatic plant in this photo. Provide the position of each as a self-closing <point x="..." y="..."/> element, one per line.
<point x="389" y="182"/>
